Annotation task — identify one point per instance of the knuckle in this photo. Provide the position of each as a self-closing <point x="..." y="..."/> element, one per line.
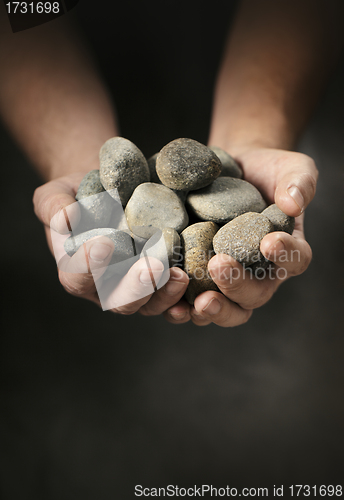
<point x="73" y="290"/>
<point x="310" y="181"/>
<point x="38" y="200"/>
<point x="78" y="289"/>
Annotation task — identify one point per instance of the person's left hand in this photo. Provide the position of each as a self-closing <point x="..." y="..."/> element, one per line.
<point x="289" y="180"/>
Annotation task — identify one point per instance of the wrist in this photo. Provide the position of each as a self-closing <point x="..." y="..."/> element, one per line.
<point x="237" y="132"/>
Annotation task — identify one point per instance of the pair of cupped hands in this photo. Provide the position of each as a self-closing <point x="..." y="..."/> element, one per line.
<point x="283" y="177"/>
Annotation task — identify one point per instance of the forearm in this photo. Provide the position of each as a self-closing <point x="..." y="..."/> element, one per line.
<point x="52" y="99"/>
<point x="276" y="62"/>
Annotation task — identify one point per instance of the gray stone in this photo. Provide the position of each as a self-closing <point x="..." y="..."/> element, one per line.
<point x="198" y="250"/>
<point x="154" y="177"/>
<point x="124" y="248"/>
<point x="279" y="219"/>
<point x="122" y="166"/>
<point x="164" y="245"/>
<point x="230" y="168"/>
<point x="89" y="185"/>
<point x="185" y="164"/>
<point x="95" y="204"/>
<point x="155" y="206"/>
<point x="152" y="170"/>
<point x="241" y="238"/>
<point x="225" y="199"/>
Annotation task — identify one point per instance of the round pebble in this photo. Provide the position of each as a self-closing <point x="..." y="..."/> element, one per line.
<point x="185" y="164"/>
<point x="154" y="206"/>
<point x="279" y="219"/>
<point x="94" y="202"/>
<point x="164" y="246"/>
<point x="230" y="168"/>
<point x="122" y="166"/>
<point x="89" y="185"/>
<point x="198" y="250"/>
<point x="241" y="238"/>
<point x="124" y="248"/>
<point x="225" y="199"/>
<point x="152" y="170"/>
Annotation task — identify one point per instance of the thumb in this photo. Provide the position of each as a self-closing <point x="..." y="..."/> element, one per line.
<point x="296" y="187"/>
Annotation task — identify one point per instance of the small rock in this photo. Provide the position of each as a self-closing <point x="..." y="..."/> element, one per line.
<point x="154" y="206"/>
<point x="185" y="164"/>
<point x="154" y="177"/>
<point x="279" y="219"/>
<point x="225" y="199"/>
<point x="89" y="185"/>
<point x="241" y="238"/>
<point x="124" y="248"/>
<point x="152" y="170"/>
<point x="94" y="202"/>
<point x="122" y="166"/>
<point x="230" y="168"/>
<point x="164" y="245"/>
<point x="198" y="250"/>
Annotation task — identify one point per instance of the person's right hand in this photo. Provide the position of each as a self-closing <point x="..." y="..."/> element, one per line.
<point x="136" y="289"/>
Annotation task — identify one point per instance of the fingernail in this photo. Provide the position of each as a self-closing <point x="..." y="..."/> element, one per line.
<point x="145" y="277"/>
<point x="174" y="287"/>
<point x="180" y="315"/>
<point x="99" y="252"/>
<point x="295" y="193"/>
<point x="213" y="307"/>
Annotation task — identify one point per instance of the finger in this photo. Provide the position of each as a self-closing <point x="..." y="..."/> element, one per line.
<point x="78" y="273"/>
<point x="216" y="308"/>
<point x="241" y="286"/>
<point x="137" y="286"/>
<point x="168" y="295"/>
<point x="179" y="313"/>
<point x="296" y="184"/>
<point x="291" y="254"/>
<point x="52" y="199"/>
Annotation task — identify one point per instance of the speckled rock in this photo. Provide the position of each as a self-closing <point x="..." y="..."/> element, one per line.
<point x="230" y="168"/>
<point x="124" y="248"/>
<point x="164" y="245"/>
<point x="89" y="185"/>
<point x="154" y="177"/>
<point x="94" y="202"/>
<point x="185" y="164"/>
<point x="198" y="250"/>
<point x="122" y="166"/>
<point x="241" y="238"/>
<point x="225" y="199"/>
<point x="154" y="206"/>
<point x="279" y="219"/>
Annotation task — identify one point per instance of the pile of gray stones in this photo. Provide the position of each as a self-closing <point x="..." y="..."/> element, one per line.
<point x="193" y="194"/>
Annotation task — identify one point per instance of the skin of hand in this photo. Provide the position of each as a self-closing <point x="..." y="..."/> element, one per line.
<point x="76" y="277"/>
<point x="135" y="289"/>
<point x="275" y="65"/>
<point x="289" y="180"/>
<point x="255" y="88"/>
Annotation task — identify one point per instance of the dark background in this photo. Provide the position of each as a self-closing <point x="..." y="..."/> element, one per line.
<point x="92" y="404"/>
